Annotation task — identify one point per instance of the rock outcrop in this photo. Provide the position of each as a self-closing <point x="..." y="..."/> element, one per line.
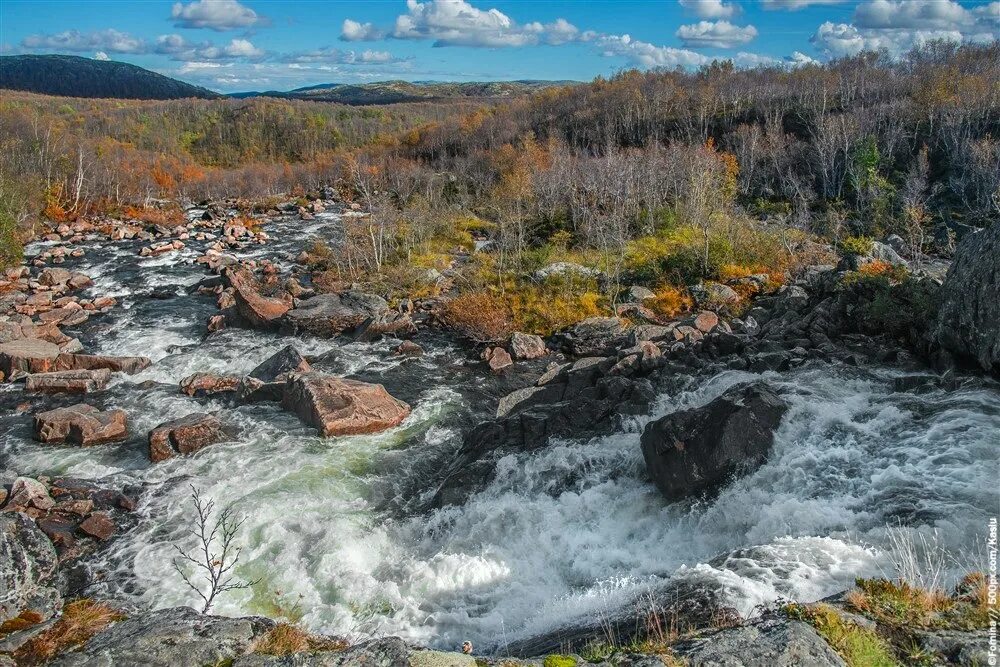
<point x="695" y="451"/>
<point x="968" y="322"/>
<point x="257" y="310"/>
<point x="68" y="382"/>
<point x="80" y="424"/>
<point x="28" y="564"/>
<point x="27" y="355"/>
<point x="337" y="406"/>
<point x="332" y="314"/>
<point x="776" y="642"/>
<point x="185" y="435"/>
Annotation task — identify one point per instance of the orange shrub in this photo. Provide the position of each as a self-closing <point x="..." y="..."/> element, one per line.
<point x="669" y="302"/>
<point x="478" y="316"/>
<point x="168" y="217"/>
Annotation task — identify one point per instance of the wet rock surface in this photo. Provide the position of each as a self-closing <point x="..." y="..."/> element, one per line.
<point x="183" y="436"/>
<point x="691" y="452"/>
<point x="337" y="406"/>
<point x="81" y="424"/>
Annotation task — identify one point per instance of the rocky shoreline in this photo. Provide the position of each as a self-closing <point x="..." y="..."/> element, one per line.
<point x="580" y="382"/>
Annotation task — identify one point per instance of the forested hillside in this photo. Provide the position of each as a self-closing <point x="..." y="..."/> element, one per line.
<point x="74" y="76"/>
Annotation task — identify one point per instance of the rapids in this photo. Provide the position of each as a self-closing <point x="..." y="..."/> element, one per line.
<point x="567" y="532"/>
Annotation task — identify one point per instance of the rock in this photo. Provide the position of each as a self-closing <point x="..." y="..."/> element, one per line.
<point x="337" y="406"/>
<point x="705" y="321"/>
<point x="714" y="296"/>
<point x="968" y="322"/>
<point x="259" y="311"/>
<point x="10" y="331"/>
<point x="332" y="314"/>
<point x="564" y="268"/>
<point x="497" y="358"/>
<point x="130" y="365"/>
<point x="28" y="355"/>
<point x="638" y="294"/>
<point x="183" y="436"/>
<point x="71" y="382"/>
<point x="771" y="642"/>
<point x="98" y="525"/>
<point x="957" y="647"/>
<point x="278" y="366"/>
<point x="168" y="638"/>
<point x="80" y="424"/>
<point x="26" y="492"/>
<point x="410" y="349"/>
<point x="527" y="346"/>
<point x="207" y="384"/>
<point x="216" y="323"/>
<point x="53" y="277"/>
<point x="594" y="336"/>
<point x="28" y="563"/>
<point x="697" y="450"/>
<point x="513" y="400"/>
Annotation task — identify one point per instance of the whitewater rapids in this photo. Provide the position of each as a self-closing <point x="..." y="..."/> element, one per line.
<point x="562" y="534"/>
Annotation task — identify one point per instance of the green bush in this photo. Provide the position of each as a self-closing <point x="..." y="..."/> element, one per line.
<point x="856" y="245"/>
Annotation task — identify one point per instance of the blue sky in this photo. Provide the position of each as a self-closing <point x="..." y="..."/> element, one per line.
<point x="232" y="45"/>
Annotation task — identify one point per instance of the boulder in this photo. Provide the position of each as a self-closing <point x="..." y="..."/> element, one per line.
<point x="497" y="358"/>
<point x="28" y="563"/>
<point x="130" y="365"/>
<point x="207" y="384"/>
<point x="695" y="451"/>
<point x="257" y="310"/>
<point x="169" y="637"/>
<point x="594" y="336"/>
<point x="68" y="382"/>
<point x="332" y="314"/>
<point x="337" y="406"/>
<point x="775" y="642"/>
<point x="183" y="436"/>
<point x="278" y="366"/>
<point x="638" y="294"/>
<point x="565" y="268"/>
<point x="968" y="322"/>
<point x="410" y="349"/>
<point x="527" y="346"/>
<point x="98" y="525"/>
<point x="53" y="277"/>
<point x="27" y="355"/>
<point x="80" y="424"/>
<point x="26" y="493"/>
<point x="714" y="296"/>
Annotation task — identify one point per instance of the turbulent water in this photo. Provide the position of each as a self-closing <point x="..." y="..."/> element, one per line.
<point x="564" y="533"/>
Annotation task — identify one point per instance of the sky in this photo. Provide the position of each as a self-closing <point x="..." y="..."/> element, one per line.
<point x="240" y="45"/>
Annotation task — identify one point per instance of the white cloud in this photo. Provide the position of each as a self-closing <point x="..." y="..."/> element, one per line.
<point x="715" y="34"/>
<point x="710" y="9"/>
<point x="799" y="59"/>
<point x="215" y="15"/>
<point x="795" y="5"/>
<point x="328" y="55"/>
<point x="458" y="23"/>
<point x="352" y="31"/>
<point x="182" y="50"/>
<point x="913" y="14"/>
<point x="559" y="32"/>
<point x="109" y="41"/>
<point x="644" y="54"/>
<point x="837" y="40"/>
<point x="101" y="55"/>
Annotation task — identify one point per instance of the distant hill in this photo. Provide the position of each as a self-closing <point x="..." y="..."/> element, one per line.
<point x="73" y="76"/>
<point x="388" y="92"/>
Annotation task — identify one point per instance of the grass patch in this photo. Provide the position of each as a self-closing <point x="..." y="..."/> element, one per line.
<point x="80" y="620"/>
<point x="556" y="660"/>
<point x="286" y="639"/>
<point x="860" y="647"/>
<point x="899" y="604"/>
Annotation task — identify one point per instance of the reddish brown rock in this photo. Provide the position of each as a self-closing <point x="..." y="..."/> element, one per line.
<point x="183" y="436"/>
<point x="27" y="355"/>
<point x="410" y="349"/>
<point x="130" y="365"/>
<point x="258" y="310"/>
<point x="216" y="323"/>
<point x="69" y="382"/>
<point x="206" y="384"/>
<point x="498" y="359"/>
<point x="338" y="406"/>
<point x="80" y="424"/>
<point x="705" y="321"/>
<point x="98" y="525"/>
<point x="527" y="346"/>
<point x="27" y="492"/>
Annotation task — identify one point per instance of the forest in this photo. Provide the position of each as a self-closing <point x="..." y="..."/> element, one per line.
<point x="660" y="178"/>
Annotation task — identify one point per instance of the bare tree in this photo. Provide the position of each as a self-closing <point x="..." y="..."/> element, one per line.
<point x="215" y="556"/>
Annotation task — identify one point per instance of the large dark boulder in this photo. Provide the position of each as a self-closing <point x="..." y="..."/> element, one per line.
<point x="695" y="451"/>
<point x="594" y="336"/>
<point x="968" y="322"/>
<point x="170" y="637"/>
<point x="777" y="642"/>
<point x="332" y="314"/>
<point x="28" y="563"/>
